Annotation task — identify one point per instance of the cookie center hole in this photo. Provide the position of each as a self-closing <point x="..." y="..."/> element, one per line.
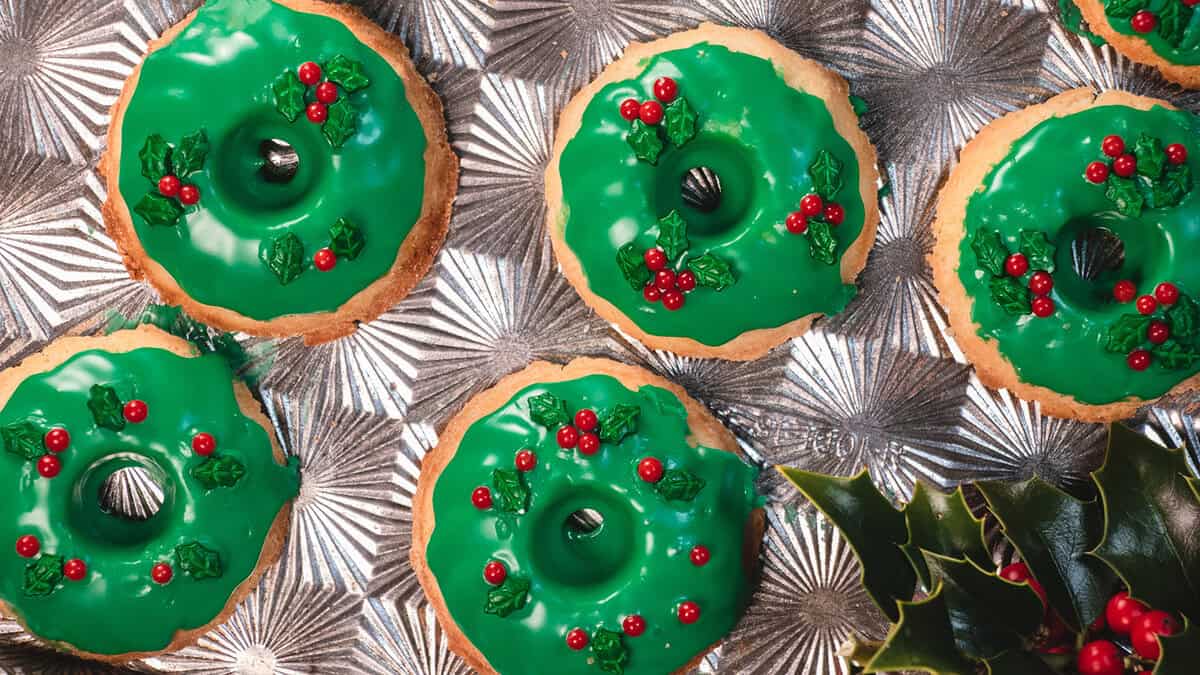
<point x="280" y="160"/>
<point x="1095" y="252"/>
<point x="583" y="539"/>
<point x="131" y="493"/>
<point x="701" y="189"/>
<point x="584" y="523"/>
<point x="711" y="182"/>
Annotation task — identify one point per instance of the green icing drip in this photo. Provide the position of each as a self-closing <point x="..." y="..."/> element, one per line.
<point x="212" y="537"/>
<point x="1040" y="184"/>
<point x="636" y="563"/>
<point x="760" y="136"/>
<point x="1185" y="52"/>
<point x="218" y="75"/>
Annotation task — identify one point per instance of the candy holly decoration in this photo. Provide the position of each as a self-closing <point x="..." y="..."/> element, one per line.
<point x="818" y="213"/>
<point x="321" y="102"/>
<point x="1020" y="282"/>
<point x="1170" y="20"/>
<point x="1163" y="329"/>
<point x="665" y="272"/>
<point x="670" y="117"/>
<point x="166" y="166"/>
<point x="1142" y="177"/>
<point x="284" y="255"/>
<point x="1118" y="568"/>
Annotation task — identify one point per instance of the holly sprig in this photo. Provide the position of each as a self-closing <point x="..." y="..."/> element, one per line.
<point x="1165" y="329"/>
<point x="284" y="254"/>
<point x="665" y="272"/>
<point x="1137" y="533"/>
<point x="304" y="91"/>
<point x="653" y="123"/>
<point x="1170" y="22"/>
<point x="819" y="214"/>
<point x="166" y="166"/>
<point x="1149" y="177"/>
<point x="1018" y="282"/>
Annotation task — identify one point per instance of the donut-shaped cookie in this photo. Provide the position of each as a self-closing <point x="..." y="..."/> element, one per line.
<point x="582" y="517"/>
<point x="1063" y="253"/>
<point x="278" y="168"/>
<point x="97" y="583"/>
<point x="711" y="193"/>
<point x="1155" y="32"/>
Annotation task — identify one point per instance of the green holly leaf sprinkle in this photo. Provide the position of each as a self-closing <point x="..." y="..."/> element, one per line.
<point x="633" y="266"/>
<point x="508" y="597"/>
<point x="826" y="174"/>
<point x="672" y="235"/>
<point x="284" y="255"/>
<point x="990" y="251"/>
<point x="1173" y="20"/>
<point x="618" y="422"/>
<point x="23" y="439"/>
<point x="157" y="209"/>
<point x="645" y="142"/>
<point x="289" y="95"/>
<point x="610" y="653"/>
<point x="1148" y="151"/>
<point x="1169" y="191"/>
<point x="711" y="272"/>
<point x="218" y="471"/>
<point x="43" y="575"/>
<point x="342" y="123"/>
<point x="190" y="154"/>
<point x="346" y="239"/>
<point x="198" y="561"/>
<point x="548" y="410"/>
<point x="1184" y="317"/>
<point x="106" y="407"/>
<point x="1126" y="333"/>
<point x="346" y="72"/>
<point x="822" y="244"/>
<point x="679" y="121"/>
<point x="1124" y="9"/>
<point x="156" y="158"/>
<point x="1011" y="295"/>
<point x="679" y="485"/>
<point x="1038" y="250"/>
<point x="510" y="489"/>
<point x="1123" y="193"/>
<point x="1172" y="355"/>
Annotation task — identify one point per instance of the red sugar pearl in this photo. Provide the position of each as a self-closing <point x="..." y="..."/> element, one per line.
<point x="161" y="573"/>
<point x="586" y="420"/>
<point x="324" y="259"/>
<point x="1041" y="283"/>
<point x="74" y="569"/>
<point x="811" y="205"/>
<point x="1146" y="304"/>
<point x="57" y="439"/>
<point x="1042" y="307"/>
<point x="1124" y="290"/>
<point x="699" y="555"/>
<point x="685" y="281"/>
<point x="664" y="279"/>
<point x="482" y="498"/>
<point x="1139" y="359"/>
<point x="1158" y="332"/>
<point x="567" y="436"/>
<point x="327" y="92"/>
<point x="796" y="222"/>
<point x="1124" y="165"/>
<point x="834" y="213"/>
<point x="1167" y="293"/>
<point x="651" y="293"/>
<point x="577" y="639"/>
<point x="633" y="625"/>
<point x="672" y="300"/>
<point x="135" y="411"/>
<point x="1177" y="152"/>
<point x="1113" y="146"/>
<point x="589" y="443"/>
<point x="689" y="612"/>
<point x="630" y="109"/>
<point x="189" y="194"/>
<point x="1143" y="21"/>
<point x="28" y="546"/>
<point x="316" y="112"/>
<point x="203" y="444"/>
<point x="168" y="185"/>
<point x="665" y="89"/>
<point x="525" y="460"/>
<point x="651" y="112"/>
<point x="309" y="72"/>
<point x="655" y="259"/>
<point x="1016" y="264"/>
<point x="1097" y="172"/>
<point x="494" y="573"/>
<point x="650" y="469"/>
<point x="49" y="466"/>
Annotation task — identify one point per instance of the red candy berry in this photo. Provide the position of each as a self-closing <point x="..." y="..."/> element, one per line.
<point x="168" y="185"/>
<point x="1016" y="264"/>
<point x="203" y="444"/>
<point x="1019" y="573"/>
<point x="1144" y="21"/>
<point x="699" y="555"/>
<point x="689" y="612"/>
<point x="1097" y="172"/>
<point x="834" y="213"/>
<point x="525" y="460"/>
<point x="309" y="72"/>
<point x="161" y="573"/>
<point x="57" y="439"/>
<point x="482" y="498"/>
<point x="327" y="92"/>
<point x="633" y="625"/>
<point x="651" y="293"/>
<point x="664" y="279"/>
<point x="1100" y="658"/>
<point x="567" y="436"/>
<point x="1158" y="332"/>
<point x="1166" y="293"/>
<point x="811" y="205"/>
<point x="586" y="420"/>
<point x="49" y="466"/>
<point x="685" y="281"/>
<point x="1146" y="631"/>
<point x="189" y="194"/>
<point x="1124" y="290"/>
<point x="494" y="573"/>
<point x="796" y="222"/>
<point x="1124" y="165"/>
<point x="74" y="569"/>
<point x="1042" y="306"/>
<point x="665" y="89"/>
<point x="324" y="259"/>
<point x="316" y="112"/>
<point x="672" y="300"/>
<point x="1041" y="283"/>
<point x="650" y="469"/>
<point x="1177" y="152"/>
<point x="1113" y="146"/>
<point x="651" y="112"/>
<point x="1138" y="359"/>
<point x="135" y="411"/>
<point x="589" y="443"/>
<point x="1146" y="304"/>
<point x="630" y="109"/>
<point x="1122" y="612"/>
<point x="655" y="259"/>
<point x="577" y="639"/>
<point x="28" y="546"/>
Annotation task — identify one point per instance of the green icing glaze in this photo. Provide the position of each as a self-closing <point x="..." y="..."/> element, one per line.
<point x="218" y="76"/>
<point x="637" y="562"/>
<point x="1040" y="185"/>
<point x="760" y="136"/>
<point x="117" y="608"/>
<point x="1180" y="44"/>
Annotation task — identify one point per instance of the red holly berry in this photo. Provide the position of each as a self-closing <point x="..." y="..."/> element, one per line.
<point x="324" y="259"/>
<point x="161" y="573"/>
<point x="1138" y="359"/>
<point x="49" y="466"/>
<point x="1016" y="264"/>
<point x="689" y="612"/>
<point x="309" y="72"/>
<point x="1124" y="290"/>
<point x="1143" y="21"/>
<point x="28" y="546"/>
<point x="1191" y="3"/>
<point x="494" y="573"/>
<point x="189" y="194"/>
<point x="699" y="555"/>
<point x="1042" y="306"/>
<point x="796" y="222"/>
<point x="651" y="293"/>
<point x="168" y="185"/>
<point x="589" y="443"/>
<point x="1166" y="293"/>
<point x="664" y="279"/>
<point x="1041" y="283"/>
<point x="316" y="112"/>
<point x="655" y="259"/>
<point x="834" y="213"/>
<point x="685" y="281"/>
<point x="135" y="411"/>
<point x="567" y="436"/>
<point x="586" y="420"/>
<point x="1177" y="152"/>
<point x="1124" y="165"/>
<point x="672" y="300"/>
<point x="1122" y="611"/>
<point x="203" y="444"/>
<point x="633" y="625"/>
<point x="74" y="569"/>
<point x="651" y="112"/>
<point x="811" y="205"/>
<point x="525" y="460"/>
<point x="1146" y="630"/>
<point x="1019" y="573"/>
<point x="650" y="469"/>
<point x="577" y="639"/>
<point x="665" y="89"/>
<point x="1100" y="658"/>
<point x="327" y="92"/>
<point x="630" y="108"/>
<point x="1097" y="172"/>
<point x="1158" y="332"/>
<point x="1146" y="304"/>
<point x="1113" y="146"/>
<point x="482" y="498"/>
<point x="57" y="439"/>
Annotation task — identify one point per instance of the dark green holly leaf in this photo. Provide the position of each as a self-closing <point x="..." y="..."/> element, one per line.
<point x="289" y="95"/>
<point x="990" y="251"/>
<point x="872" y="527"/>
<point x="1173" y="20"/>
<point x="1037" y="250"/>
<point x="23" y="439"/>
<point x="1054" y="533"/>
<point x="922" y="639"/>
<point x="284" y="256"/>
<point x="679" y="485"/>
<point x="198" y="561"/>
<point x="190" y="154"/>
<point x="218" y="471"/>
<point x="156" y="209"/>
<point x="548" y="410"/>
<point x="508" y="597"/>
<point x="156" y="158"/>
<point x="672" y="235"/>
<point x="618" y="422"/>
<point x="679" y="121"/>
<point x="943" y="524"/>
<point x="1123" y="9"/>
<point x="610" y="654"/>
<point x="826" y="174"/>
<point x="1126" y="333"/>
<point x="1170" y="190"/>
<point x="1148" y="151"/>
<point x="43" y="575"/>
<point x="1172" y="355"/>
<point x="711" y="272"/>
<point x="988" y="615"/>
<point x="1152" y="512"/>
<point x="1184" y="317"/>
<point x="1181" y="652"/>
<point x="106" y="407"/>
<point x="1124" y="195"/>
<point x="346" y="239"/>
<point x="1011" y="295"/>
<point x="633" y="266"/>
<point x="644" y="140"/>
<point x="822" y="244"/>
<point x="1017" y="661"/>
<point x="346" y="72"/>
<point x="510" y="489"/>
<point x="342" y="123"/>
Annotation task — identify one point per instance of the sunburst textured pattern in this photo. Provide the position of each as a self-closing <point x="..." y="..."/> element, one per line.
<point x="404" y="638"/>
<point x="396" y="581"/>
<point x="1174" y="422"/>
<point x="450" y="30"/>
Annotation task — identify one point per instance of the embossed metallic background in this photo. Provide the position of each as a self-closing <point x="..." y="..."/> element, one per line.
<point x="881" y="385"/>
